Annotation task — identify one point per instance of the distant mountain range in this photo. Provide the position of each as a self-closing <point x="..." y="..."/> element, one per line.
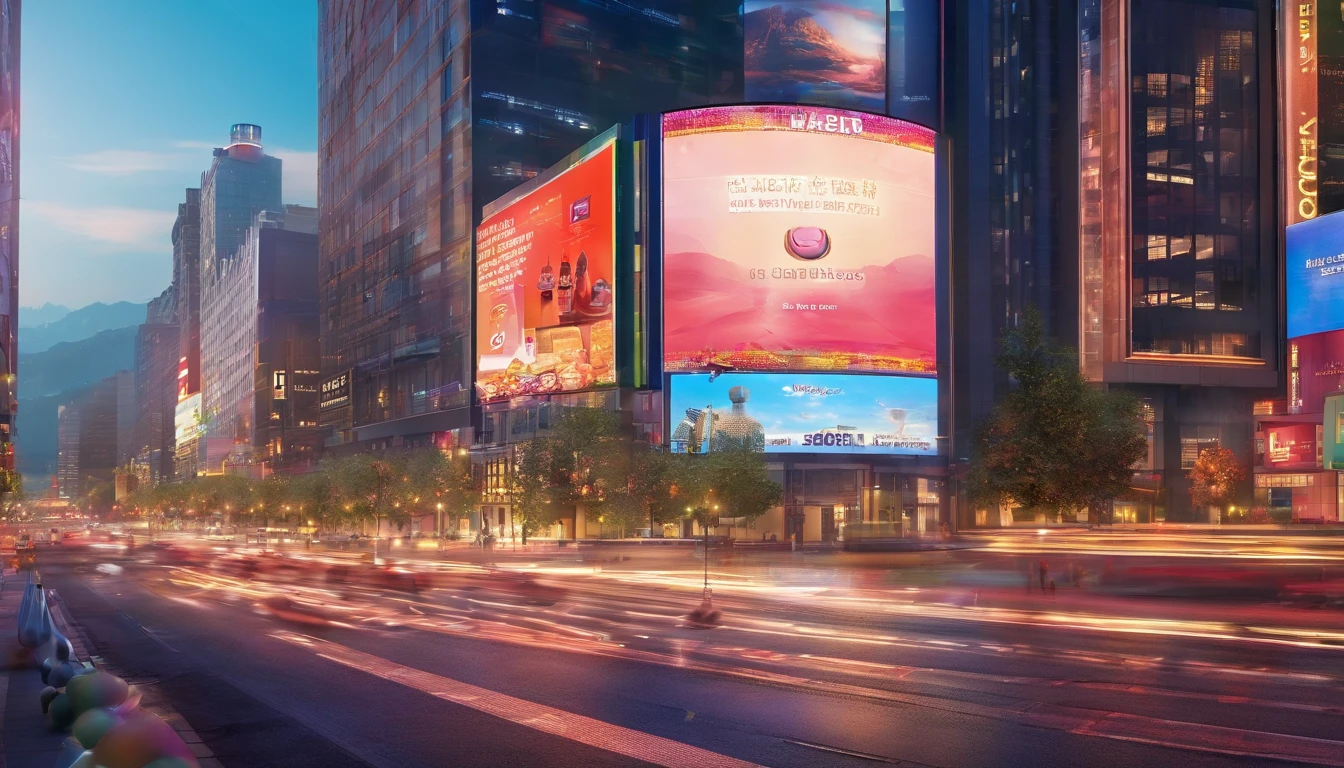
<point x="76" y="364"/>
<point x="56" y="376"/>
<point x="76" y="325"/>
<point x="47" y="313"/>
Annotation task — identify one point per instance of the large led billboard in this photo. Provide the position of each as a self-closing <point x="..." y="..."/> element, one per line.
<point x="816" y="51"/>
<point x="545" y="281"/>
<point x="797" y="238"/>
<point x="187" y="422"/>
<point x="805" y="413"/>
<point x="1315" y="275"/>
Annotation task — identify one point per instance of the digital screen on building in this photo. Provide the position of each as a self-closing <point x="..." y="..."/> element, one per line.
<point x="797" y="238"/>
<point x="1300" y="111"/>
<point x="187" y="422"/>
<point x="545" y="281"/>
<point x="1314" y="271"/>
<point x="804" y="413"/>
<point x="1291" y="445"/>
<point x="913" y="60"/>
<point x="1316" y="369"/>
<point x="830" y="52"/>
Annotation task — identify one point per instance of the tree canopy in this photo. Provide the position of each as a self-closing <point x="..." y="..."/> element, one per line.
<point x="1054" y="442"/>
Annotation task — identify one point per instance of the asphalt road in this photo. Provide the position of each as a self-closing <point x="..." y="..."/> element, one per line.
<point x="795" y="676"/>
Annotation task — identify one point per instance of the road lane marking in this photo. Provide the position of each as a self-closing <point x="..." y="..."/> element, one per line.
<point x="557" y="722"/>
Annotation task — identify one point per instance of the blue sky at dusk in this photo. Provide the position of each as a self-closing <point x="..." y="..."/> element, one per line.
<point x="122" y="102"/>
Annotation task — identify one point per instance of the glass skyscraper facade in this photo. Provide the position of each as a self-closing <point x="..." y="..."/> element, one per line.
<point x="242" y="180"/>
<point x="429" y="110"/>
<point x="9" y="226"/>
<point x="1195" y="127"/>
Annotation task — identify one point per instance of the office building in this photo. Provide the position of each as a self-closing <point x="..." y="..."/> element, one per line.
<point x="156" y="359"/>
<point x="9" y="226"/>
<point x="259" y="350"/>
<point x="186" y="291"/>
<point x="1130" y="196"/>
<point x="427" y="112"/>
<point x="87" y="441"/>
<point x="241" y="182"/>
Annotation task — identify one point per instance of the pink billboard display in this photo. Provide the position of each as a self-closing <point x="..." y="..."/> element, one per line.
<point x="797" y="239"/>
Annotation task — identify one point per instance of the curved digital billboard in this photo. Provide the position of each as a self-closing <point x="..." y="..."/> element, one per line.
<point x="545" y="281"/>
<point x="805" y="413"/>
<point x="797" y="239"/>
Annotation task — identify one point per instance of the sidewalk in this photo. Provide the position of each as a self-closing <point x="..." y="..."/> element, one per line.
<point x="26" y="739"/>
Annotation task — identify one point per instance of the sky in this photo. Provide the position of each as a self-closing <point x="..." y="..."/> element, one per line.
<point x="122" y="101"/>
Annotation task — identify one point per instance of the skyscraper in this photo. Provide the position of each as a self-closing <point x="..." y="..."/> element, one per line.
<point x="156" y="359"/>
<point x="186" y="291"/>
<point x="259" y="349"/>
<point x="9" y="226"/>
<point x="241" y="182"/>
<point x="418" y="129"/>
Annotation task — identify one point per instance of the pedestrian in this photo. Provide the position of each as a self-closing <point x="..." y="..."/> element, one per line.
<point x="1044" y="570"/>
<point x="1052" y="586"/>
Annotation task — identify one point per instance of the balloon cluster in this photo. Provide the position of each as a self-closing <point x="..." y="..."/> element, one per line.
<point x="102" y="712"/>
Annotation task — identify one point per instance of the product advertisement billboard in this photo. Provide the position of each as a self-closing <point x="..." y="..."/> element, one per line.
<point x="797" y="239"/>
<point x="816" y="51"/>
<point x="805" y="413"/>
<point x="1314" y="269"/>
<point x="545" y="281"/>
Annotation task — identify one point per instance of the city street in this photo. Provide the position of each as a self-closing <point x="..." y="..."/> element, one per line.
<point x="599" y="667"/>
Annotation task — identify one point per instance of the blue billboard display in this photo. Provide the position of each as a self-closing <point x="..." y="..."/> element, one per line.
<point x="805" y="413"/>
<point x="1314" y="272"/>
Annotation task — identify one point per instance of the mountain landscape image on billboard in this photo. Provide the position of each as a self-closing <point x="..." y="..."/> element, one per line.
<point x="829" y="52"/>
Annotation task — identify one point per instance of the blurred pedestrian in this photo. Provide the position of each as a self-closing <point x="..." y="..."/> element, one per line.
<point x="1044" y="570"/>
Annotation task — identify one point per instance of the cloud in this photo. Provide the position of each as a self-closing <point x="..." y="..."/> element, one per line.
<point x="299" y="177"/>
<point x="120" y="227"/>
<point x="124" y="162"/>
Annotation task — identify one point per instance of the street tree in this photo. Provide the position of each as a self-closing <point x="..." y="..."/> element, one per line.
<point x="1214" y="477"/>
<point x="533" y="486"/>
<point x="740" y="484"/>
<point x="1053" y="442"/>
<point x="441" y="482"/>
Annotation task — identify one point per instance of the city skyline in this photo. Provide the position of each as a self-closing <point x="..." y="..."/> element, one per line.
<point x="98" y="201"/>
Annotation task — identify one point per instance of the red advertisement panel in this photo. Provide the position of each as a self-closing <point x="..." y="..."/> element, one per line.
<point x="545" y="285"/>
<point x="1291" y="445"/>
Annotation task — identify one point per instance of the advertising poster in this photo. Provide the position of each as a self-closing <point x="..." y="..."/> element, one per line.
<point x="1291" y="445"/>
<point x="797" y="238"/>
<point x="805" y="413"/>
<point x="1314" y="270"/>
<point x="187" y="422"/>
<point x="545" y="284"/>
<point x="816" y="52"/>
